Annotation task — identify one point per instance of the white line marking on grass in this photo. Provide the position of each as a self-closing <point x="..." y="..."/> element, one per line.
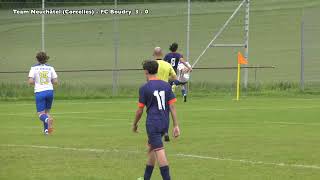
<point x="189" y="110"/>
<point x="249" y="161"/>
<point x="251" y="108"/>
<point x="64" y="113"/>
<point x="98" y="102"/>
<point x="57" y="113"/>
<point x="67" y="102"/>
<point x="78" y="112"/>
<point x="64" y="102"/>
<point x="25" y="127"/>
<point x="292" y="123"/>
<point x="69" y="126"/>
<point x="68" y="148"/>
<point x="306" y="99"/>
<point x="102" y="119"/>
<point x="304" y="166"/>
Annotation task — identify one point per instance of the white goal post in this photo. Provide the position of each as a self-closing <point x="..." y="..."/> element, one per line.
<point x="244" y="44"/>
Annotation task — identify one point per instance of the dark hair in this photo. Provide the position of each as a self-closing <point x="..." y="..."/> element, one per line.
<point x="151" y="66"/>
<point x="173" y="47"/>
<point x="42" y="57"/>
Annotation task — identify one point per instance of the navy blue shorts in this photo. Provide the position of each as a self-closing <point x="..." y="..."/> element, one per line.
<point x="44" y="100"/>
<point x="155" y="134"/>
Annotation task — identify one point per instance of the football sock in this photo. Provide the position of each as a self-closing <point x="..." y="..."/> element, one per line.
<point x="44" y="118"/>
<point x="148" y="172"/>
<point x="183" y="91"/>
<point x="165" y="172"/>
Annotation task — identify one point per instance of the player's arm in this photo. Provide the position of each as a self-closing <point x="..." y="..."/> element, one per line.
<point x="31" y="77"/>
<point x="176" y="129"/>
<point x="54" y="79"/>
<point x="31" y="81"/>
<point x="139" y="113"/>
<point x="171" y="100"/>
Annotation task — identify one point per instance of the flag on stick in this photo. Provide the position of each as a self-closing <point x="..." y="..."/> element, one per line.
<point x="241" y="60"/>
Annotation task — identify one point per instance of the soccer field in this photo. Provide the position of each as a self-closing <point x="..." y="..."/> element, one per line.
<point x="258" y="138"/>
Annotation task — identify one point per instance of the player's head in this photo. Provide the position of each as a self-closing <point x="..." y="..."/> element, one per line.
<point x="42" y="57"/>
<point x="173" y="47"/>
<point x="157" y="52"/>
<point x="150" y="67"/>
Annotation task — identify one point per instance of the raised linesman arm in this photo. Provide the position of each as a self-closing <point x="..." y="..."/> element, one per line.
<point x="176" y="129"/>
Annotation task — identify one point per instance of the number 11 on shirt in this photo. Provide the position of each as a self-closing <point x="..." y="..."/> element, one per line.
<point x="161" y="97"/>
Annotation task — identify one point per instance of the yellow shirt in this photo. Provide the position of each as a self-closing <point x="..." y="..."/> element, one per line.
<point x="165" y="70"/>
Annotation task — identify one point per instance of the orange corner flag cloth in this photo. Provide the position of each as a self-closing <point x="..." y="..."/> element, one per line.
<point x="241" y="59"/>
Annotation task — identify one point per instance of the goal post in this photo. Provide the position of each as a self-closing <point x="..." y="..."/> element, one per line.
<point x="309" y="48"/>
<point x="42" y="27"/>
<point x="245" y="44"/>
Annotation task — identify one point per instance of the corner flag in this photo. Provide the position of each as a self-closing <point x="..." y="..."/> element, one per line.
<point x="241" y="60"/>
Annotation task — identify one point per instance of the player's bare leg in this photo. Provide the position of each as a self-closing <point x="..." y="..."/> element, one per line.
<point x="163" y="164"/>
<point x="151" y="158"/>
<point x="150" y="165"/>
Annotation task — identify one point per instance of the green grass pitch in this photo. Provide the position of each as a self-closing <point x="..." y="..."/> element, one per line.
<point x="256" y="138"/>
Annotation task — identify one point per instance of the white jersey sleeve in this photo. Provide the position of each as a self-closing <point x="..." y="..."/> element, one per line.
<point x="31" y="73"/>
<point x="53" y="73"/>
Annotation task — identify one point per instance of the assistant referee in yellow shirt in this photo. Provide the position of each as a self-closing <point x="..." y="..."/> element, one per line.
<point x="165" y="70"/>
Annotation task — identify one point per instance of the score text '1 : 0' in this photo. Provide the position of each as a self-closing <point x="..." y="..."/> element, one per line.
<point x="142" y="12"/>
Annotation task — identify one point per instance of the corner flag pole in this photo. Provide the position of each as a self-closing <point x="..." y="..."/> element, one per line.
<point x="241" y="60"/>
<point x="238" y="82"/>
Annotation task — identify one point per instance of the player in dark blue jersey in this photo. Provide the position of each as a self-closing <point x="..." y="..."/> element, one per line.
<point x="156" y="95"/>
<point x="174" y="58"/>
